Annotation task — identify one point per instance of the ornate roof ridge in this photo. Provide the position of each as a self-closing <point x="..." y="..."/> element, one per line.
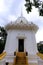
<point x="22" y="23"/>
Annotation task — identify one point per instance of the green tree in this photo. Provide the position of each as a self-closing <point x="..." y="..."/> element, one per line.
<point x="37" y="3"/>
<point x="3" y="36"/>
<point x="40" y="47"/>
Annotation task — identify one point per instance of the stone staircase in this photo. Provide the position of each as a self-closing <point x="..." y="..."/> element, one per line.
<point x="20" y="59"/>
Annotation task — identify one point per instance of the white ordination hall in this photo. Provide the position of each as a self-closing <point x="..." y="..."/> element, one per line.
<point x="21" y="47"/>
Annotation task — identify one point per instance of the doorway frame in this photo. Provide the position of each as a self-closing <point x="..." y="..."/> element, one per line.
<point x="21" y="37"/>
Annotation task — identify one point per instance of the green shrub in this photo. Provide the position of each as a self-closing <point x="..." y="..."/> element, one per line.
<point x="40" y="47"/>
<point x="3" y="35"/>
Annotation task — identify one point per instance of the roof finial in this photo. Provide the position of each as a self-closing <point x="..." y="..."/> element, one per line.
<point x="21" y="13"/>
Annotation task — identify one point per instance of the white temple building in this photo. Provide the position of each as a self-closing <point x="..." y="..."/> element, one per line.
<point x="20" y="41"/>
<point x="21" y="36"/>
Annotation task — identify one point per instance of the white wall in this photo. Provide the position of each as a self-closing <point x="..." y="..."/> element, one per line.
<point x="29" y="41"/>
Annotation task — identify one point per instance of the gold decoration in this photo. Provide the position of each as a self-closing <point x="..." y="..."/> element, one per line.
<point x="20" y="59"/>
<point x="40" y="55"/>
<point x="2" y="55"/>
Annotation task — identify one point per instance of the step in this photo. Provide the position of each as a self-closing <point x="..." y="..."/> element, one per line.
<point x="20" y="59"/>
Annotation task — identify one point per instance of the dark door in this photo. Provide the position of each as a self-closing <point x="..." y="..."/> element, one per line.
<point x="21" y="45"/>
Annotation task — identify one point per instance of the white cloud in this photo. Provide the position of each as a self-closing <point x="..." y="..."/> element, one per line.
<point x="2" y="6"/>
<point x="39" y="35"/>
<point x="5" y="6"/>
<point x="9" y="3"/>
<point x="11" y="18"/>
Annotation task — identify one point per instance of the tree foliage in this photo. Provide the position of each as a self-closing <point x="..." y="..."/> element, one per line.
<point x="37" y="3"/>
<point x="3" y="36"/>
<point x="40" y="47"/>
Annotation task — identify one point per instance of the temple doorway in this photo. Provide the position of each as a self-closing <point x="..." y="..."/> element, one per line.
<point x="21" y="45"/>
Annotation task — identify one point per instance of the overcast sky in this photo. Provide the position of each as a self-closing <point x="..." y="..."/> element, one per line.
<point x="10" y="10"/>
